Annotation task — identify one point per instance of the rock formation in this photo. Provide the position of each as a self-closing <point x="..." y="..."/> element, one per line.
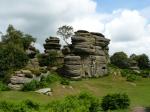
<point x="88" y="56"/>
<point x="19" y="78"/>
<point x="52" y="46"/>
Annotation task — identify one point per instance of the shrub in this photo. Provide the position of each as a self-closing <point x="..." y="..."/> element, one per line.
<point x="65" y="81"/>
<point x="52" y="77"/>
<point x="145" y="73"/>
<point x="131" y="77"/>
<point x="3" y="87"/>
<point x="120" y="59"/>
<point x="43" y="82"/>
<point x="115" y="101"/>
<point x="83" y="102"/>
<point x="31" y="105"/>
<point x="31" y="86"/>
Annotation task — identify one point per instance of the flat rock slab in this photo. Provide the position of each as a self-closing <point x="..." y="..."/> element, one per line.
<point x="44" y="90"/>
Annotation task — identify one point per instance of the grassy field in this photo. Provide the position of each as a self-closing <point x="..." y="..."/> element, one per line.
<point x="139" y="91"/>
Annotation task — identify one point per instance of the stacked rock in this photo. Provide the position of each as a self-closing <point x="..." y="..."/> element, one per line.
<point x="92" y="52"/>
<point x="83" y="43"/>
<point x="52" y="44"/>
<point x="20" y="78"/>
<point x="72" y="67"/>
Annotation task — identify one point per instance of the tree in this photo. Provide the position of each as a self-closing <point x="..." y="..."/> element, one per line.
<point x="143" y="61"/>
<point x="13" y="50"/>
<point x="17" y="38"/>
<point x="11" y="58"/>
<point x="65" y="32"/>
<point x="120" y="59"/>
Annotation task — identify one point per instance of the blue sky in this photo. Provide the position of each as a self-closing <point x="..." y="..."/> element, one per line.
<point x="107" y="6"/>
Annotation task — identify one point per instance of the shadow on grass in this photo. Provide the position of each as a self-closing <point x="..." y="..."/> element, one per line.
<point x="147" y="109"/>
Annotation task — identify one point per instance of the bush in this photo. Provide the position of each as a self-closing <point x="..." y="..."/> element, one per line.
<point x="25" y="106"/>
<point x="115" y="101"/>
<point x="65" y="81"/>
<point x="131" y="78"/>
<point x="43" y="82"/>
<point x="145" y="73"/>
<point x="120" y="59"/>
<point x="31" y="105"/>
<point x="77" y="103"/>
<point x="31" y="86"/>
<point x="3" y="87"/>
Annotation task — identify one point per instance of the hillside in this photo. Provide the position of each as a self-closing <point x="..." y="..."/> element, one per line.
<point x="137" y="91"/>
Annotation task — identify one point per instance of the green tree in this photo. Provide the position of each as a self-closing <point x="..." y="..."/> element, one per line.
<point x="17" y="37"/>
<point x="11" y="57"/>
<point x="143" y="61"/>
<point x="65" y="32"/>
<point x="13" y="50"/>
<point x="120" y="59"/>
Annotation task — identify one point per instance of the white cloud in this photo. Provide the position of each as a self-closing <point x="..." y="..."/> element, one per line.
<point x="128" y="30"/>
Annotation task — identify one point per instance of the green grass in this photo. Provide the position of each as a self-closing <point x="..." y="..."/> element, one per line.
<point x="139" y="91"/>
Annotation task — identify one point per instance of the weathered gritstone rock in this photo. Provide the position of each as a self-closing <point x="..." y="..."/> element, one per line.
<point x="52" y="44"/>
<point x="72" y="66"/>
<point x="90" y="58"/>
<point x="19" y="78"/>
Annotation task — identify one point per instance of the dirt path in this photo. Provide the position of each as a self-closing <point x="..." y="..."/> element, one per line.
<point x="139" y="109"/>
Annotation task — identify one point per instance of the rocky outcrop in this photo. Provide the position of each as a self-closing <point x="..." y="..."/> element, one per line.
<point x="72" y="67"/>
<point x="19" y="78"/>
<point x="88" y="55"/>
<point x="52" y="44"/>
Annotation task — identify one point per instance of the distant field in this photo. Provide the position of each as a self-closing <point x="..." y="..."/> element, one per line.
<point x="139" y="92"/>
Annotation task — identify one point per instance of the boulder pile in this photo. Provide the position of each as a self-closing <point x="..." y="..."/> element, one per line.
<point x="19" y="78"/>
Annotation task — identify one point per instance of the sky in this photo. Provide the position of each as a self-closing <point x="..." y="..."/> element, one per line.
<point x="125" y="22"/>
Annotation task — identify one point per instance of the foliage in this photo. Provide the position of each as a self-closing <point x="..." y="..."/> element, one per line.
<point x="145" y="73"/>
<point x="32" y="105"/>
<point x="115" y="101"/>
<point x="120" y="59"/>
<point x="65" y="32"/>
<point x="11" y="57"/>
<point x="17" y="37"/>
<point x="143" y="61"/>
<point x="48" y="60"/>
<point x="65" y="81"/>
<point x="31" y="86"/>
<point x="3" y="87"/>
<point x="131" y="77"/>
<point x="12" y="50"/>
<point x="83" y="102"/>
<point x="25" y="106"/>
<point x="44" y="82"/>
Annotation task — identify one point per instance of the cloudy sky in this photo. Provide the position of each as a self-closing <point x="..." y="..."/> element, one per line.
<point x="125" y="22"/>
